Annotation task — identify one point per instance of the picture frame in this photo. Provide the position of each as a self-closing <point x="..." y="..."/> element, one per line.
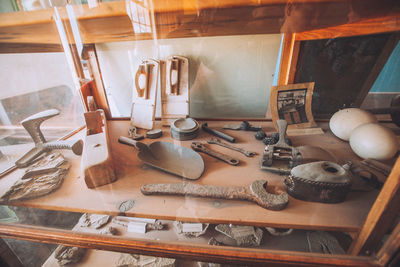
<point x="292" y="103"/>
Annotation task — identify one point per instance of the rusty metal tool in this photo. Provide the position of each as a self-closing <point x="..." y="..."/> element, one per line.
<point x="241" y="150"/>
<point x="378" y="166"/>
<point x="168" y="157"/>
<point x="32" y="126"/>
<point x="256" y="192"/>
<point x="222" y="135"/>
<point x="244" y="126"/>
<point x="280" y="157"/>
<point x="197" y="146"/>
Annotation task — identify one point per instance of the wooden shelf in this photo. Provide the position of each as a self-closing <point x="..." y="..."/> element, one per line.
<point x="296" y="241"/>
<point x="111" y="21"/>
<point x="132" y="174"/>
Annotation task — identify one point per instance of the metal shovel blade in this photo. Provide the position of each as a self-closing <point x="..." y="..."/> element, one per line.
<point x="168" y="157"/>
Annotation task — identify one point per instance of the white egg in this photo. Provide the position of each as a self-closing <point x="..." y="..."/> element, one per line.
<point x="343" y="122"/>
<point x="374" y="141"/>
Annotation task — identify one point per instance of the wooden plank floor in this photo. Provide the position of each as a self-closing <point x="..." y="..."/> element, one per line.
<point x="132" y="174"/>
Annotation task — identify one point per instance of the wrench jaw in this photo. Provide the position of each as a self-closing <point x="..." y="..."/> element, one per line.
<point x="268" y="200"/>
<point x="199" y="147"/>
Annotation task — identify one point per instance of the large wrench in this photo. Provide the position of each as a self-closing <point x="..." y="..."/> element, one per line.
<point x="241" y="150"/>
<point x="256" y="192"/>
<point x="201" y="148"/>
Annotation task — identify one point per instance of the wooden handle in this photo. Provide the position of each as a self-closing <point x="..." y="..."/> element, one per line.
<point x="144" y="69"/>
<point x="130" y="142"/>
<point x="127" y="141"/>
<point x="173" y="64"/>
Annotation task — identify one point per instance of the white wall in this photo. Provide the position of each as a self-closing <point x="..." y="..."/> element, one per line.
<point x="26" y="73"/>
<point x="230" y="76"/>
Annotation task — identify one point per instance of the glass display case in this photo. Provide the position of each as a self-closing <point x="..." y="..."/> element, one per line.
<point x="199" y="133"/>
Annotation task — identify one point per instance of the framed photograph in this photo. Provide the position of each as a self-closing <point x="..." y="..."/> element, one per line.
<point x="293" y="103"/>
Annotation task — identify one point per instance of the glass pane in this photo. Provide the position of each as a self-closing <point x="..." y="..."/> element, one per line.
<point x="184" y="73"/>
<point x="226" y="74"/>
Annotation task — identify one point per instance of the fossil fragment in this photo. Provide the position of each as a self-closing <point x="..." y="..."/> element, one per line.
<point x="126" y="205"/>
<point x="139" y="225"/>
<point x="109" y="230"/>
<point x="132" y="133"/>
<point x="243" y="235"/>
<point x="279" y="231"/>
<point x="68" y="255"/>
<point x="133" y="260"/>
<point x="214" y="242"/>
<point x="95" y="221"/>
<point x="39" y="181"/>
<point x="190" y="229"/>
<point x="210" y="264"/>
<point x="323" y="242"/>
<point x="49" y="163"/>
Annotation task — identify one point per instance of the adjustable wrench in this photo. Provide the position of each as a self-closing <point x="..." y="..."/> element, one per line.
<point x="197" y="146"/>
<point x="241" y="150"/>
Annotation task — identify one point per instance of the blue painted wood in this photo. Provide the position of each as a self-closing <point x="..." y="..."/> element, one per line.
<point x="389" y="78"/>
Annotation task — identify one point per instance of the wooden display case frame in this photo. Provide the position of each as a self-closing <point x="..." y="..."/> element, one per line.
<point x="35" y="32"/>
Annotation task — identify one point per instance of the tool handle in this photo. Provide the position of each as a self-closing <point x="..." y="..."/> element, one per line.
<point x="75" y="145"/>
<point x="196" y="190"/>
<point x="197" y="146"/>
<point x="130" y="142"/>
<point x="282" y="127"/>
<point x="218" y="133"/>
<point x="376" y="165"/>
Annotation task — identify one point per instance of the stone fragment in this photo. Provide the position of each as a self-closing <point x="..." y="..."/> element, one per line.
<point x="109" y="230"/>
<point x="179" y="226"/>
<point x="133" y="260"/>
<point x="323" y="242"/>
<point x="68" y="255"/>
<point x="126" y="205"/>
<point x="50" y="162"/>
<point x="95" y="221"/>
<point x="39" y="181"/>
<point x="243" y="235"/>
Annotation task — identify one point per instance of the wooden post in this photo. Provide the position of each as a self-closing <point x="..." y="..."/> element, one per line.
<point x="100" y="97"/>
<point x="381" y="216"/>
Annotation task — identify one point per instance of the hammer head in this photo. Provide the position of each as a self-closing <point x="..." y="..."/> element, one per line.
<point x="268" y="200"/>
<point x="33" y="122"/>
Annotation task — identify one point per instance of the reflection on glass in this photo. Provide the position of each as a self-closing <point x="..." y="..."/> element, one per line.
<point x="139" y="13"/>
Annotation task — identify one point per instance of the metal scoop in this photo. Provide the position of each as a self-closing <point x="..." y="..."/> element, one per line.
<point x="168" y="157"/>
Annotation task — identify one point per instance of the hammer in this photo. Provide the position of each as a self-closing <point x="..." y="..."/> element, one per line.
<point x="256" y="192"/>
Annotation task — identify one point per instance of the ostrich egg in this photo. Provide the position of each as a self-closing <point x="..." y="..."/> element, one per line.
<point x="374" y="141"/>
<point x="343" y="122"/>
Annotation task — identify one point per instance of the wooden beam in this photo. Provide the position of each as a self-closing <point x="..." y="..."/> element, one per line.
<point x="98" y="90"/>
<point x="381" y="216"/>
<point x="390" y="248"/>
<point x="286" y="58"/>
<point x="111" y="21"/>
<point x="390" y="23"/>
<point x="7" y="48"/>
<point x="180" y="250"/>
